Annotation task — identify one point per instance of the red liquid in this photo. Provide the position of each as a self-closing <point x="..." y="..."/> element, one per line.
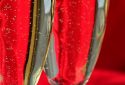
<point x="14" y="31"/>
<point x="73" y="26"/>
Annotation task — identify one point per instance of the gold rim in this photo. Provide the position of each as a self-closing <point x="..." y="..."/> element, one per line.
<point x="32" y="42"/>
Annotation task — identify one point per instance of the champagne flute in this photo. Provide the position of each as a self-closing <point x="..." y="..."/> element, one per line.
<point x="42" y="55"/>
